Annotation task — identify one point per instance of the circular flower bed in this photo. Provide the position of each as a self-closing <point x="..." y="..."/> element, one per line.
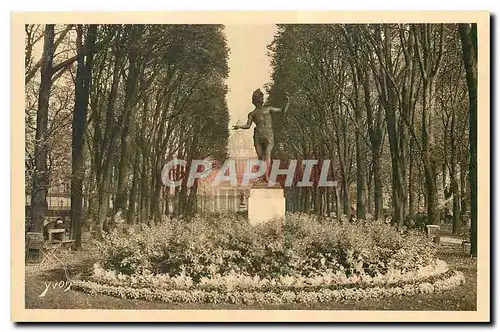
<point x="239" y="289"/>
<point x="225" y="260"/>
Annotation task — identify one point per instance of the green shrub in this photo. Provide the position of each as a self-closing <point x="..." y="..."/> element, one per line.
<point x="223" y="244"/>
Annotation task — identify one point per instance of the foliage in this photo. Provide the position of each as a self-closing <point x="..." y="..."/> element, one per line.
<point x="157" y="92"/>
<point x="367" y="90"/>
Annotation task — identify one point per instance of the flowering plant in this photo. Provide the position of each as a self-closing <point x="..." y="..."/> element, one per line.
<point x="242" y="282"/>
<point x="202" y="248"/>
<point x="449" y="281"/>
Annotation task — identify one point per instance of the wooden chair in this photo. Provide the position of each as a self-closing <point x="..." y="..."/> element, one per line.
<point x="50" y="250"/>
<point x="34" y="244"/>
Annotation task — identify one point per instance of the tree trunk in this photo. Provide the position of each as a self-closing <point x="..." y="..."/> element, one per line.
<point x="375" y="122"/>
<point x="105" y="157"/>
<point x="346" y="205"/>
<point x="370" y="192"/>
<point x="429" y="161"/>
<point x="398" y="197"/>
<point x="328" y="203"/>
<point x="377" y="183"/>
<point x="398" y="192"/>
<point x="433" y="216"/>
<point x="429" y="53"/>
<point x="130" y="91"/>
<point x="155" y="199"/>
<point x="104" y="192"/>
<point x="468" y="37"/>
<point x="314" y="200"/>
<point x="360" y="159"/>
<point x="297" y="195"/>
<point x="166" y="196"/>
<point x="403" y="165"/>
<point x="93" y="204"/>
<point x="192" y="202"/>
<point x="82" y="89"/>
<point x="144" y="191"/>
<point x="455" y="190"/>
<point x="464" y="189"/>
<point x="419" y="189"/>
<point x="133" y="193"/>
<point x="41" y="176"/>
<point x="412" y="202"/>
<point x="305" y="197"/>
<point x="456" y="203"/>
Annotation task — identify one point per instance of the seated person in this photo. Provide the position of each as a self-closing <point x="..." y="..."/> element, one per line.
<point x="54" y="224"/>
<point x="59" y="225"/>
<point x="47" y="226"/>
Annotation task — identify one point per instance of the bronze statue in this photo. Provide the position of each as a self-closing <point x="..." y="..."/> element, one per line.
<point x="263" y="137"/>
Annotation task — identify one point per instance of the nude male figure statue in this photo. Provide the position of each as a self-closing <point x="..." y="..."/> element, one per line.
<point x="263" y="137"/>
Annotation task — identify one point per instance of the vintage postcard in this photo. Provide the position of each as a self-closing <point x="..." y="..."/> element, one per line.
<point x="250" y="166"/>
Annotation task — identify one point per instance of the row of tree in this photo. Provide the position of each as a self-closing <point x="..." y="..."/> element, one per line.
<point x="393" y="105"/>
<point x="129" y="97"/>
<point x="390" y="105"/>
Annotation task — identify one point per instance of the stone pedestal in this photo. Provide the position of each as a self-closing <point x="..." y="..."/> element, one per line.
<point x="265" y="203"/>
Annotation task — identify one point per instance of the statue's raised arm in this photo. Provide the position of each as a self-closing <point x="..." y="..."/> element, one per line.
<point x="246" y="125"/>
<point x="284" y="109"/>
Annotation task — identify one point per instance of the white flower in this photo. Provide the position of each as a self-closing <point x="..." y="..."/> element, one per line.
<point x="287" y="280"/>
<point x="426" y="288"/>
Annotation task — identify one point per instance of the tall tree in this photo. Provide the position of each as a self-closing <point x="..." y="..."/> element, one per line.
<point x="133" y="49"/>
<point x="40" y="177"/>
<point x="468" y="37"/>
<point x="49" y="73"/>
<point x="353" y="43"/>
<point x="385" y="68"/>
<point x="388" y="71"/>
<point x="429" y="52"/>
<point x="83" y="80"/>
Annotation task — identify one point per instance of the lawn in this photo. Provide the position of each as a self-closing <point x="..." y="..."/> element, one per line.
<point x="462" y="298"/>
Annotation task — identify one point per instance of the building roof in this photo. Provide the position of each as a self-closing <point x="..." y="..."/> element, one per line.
<point x="240" y="145"/>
